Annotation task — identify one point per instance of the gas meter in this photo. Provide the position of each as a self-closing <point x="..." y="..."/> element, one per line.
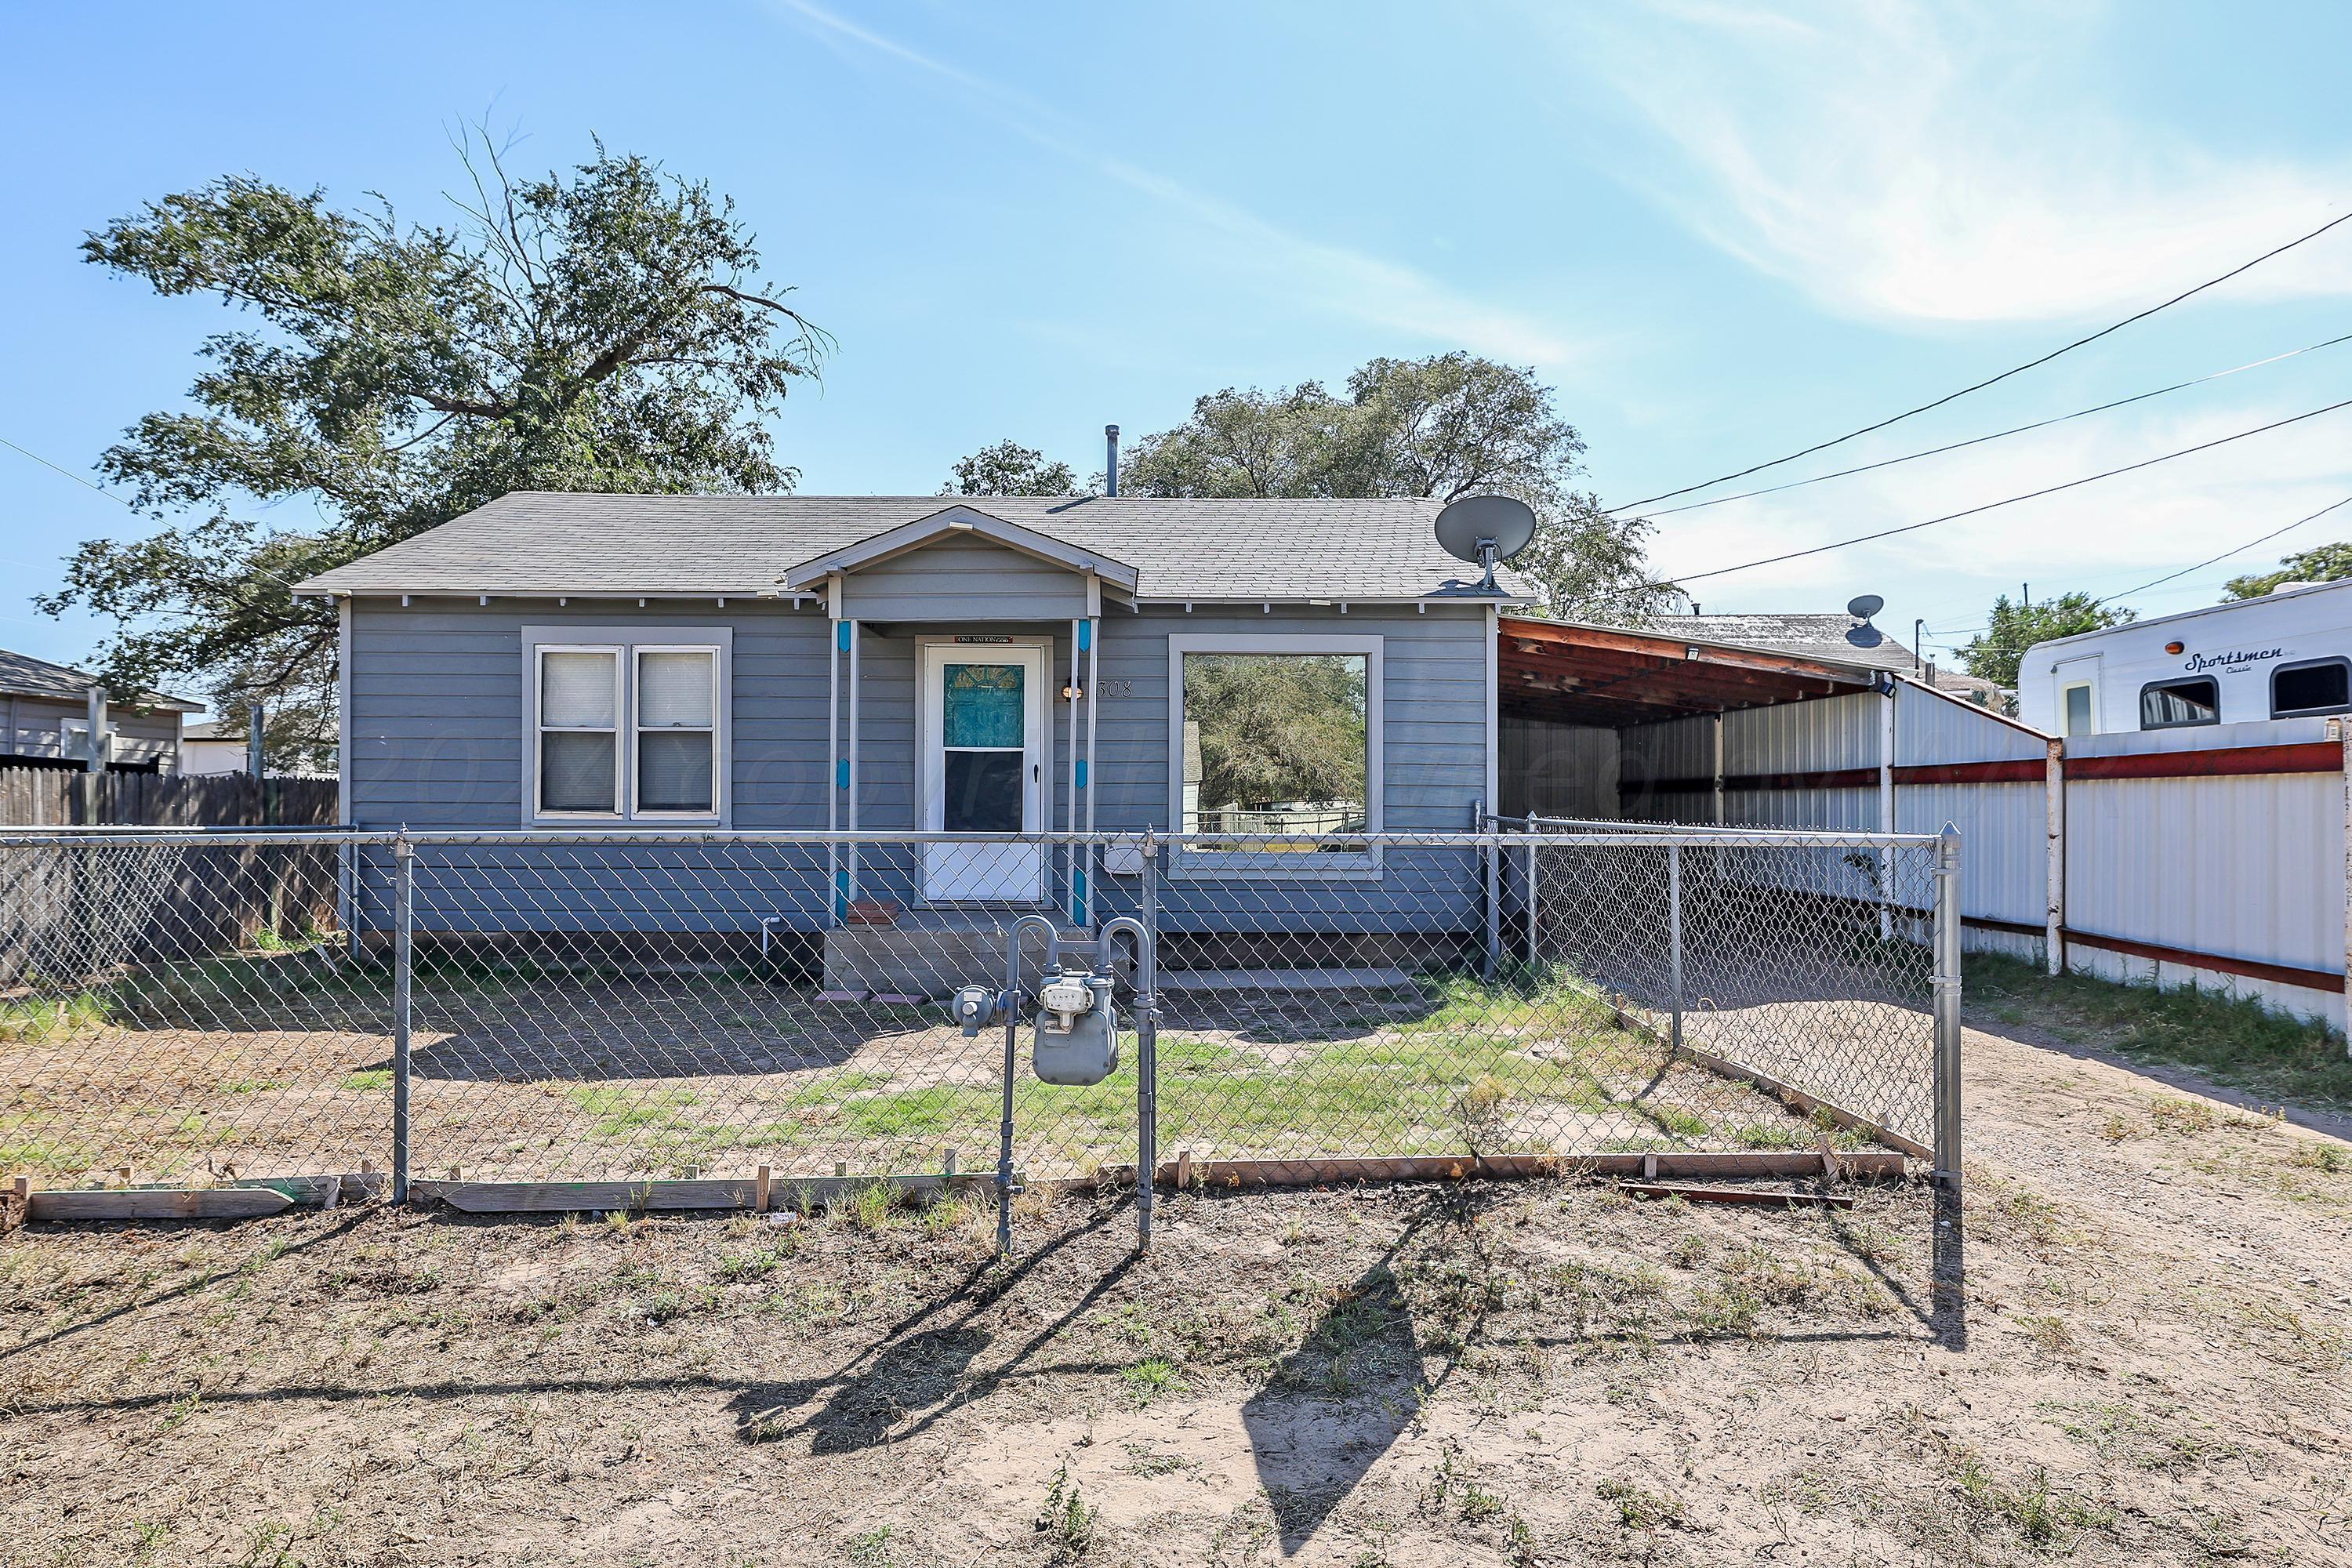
<point x="1076" y="1039"/>
<point x="974" y="1007"/>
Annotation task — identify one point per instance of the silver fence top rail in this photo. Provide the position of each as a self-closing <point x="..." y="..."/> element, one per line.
<point x="199" y="837"/>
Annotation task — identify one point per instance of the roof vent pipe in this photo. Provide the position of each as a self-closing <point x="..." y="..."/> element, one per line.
<point x="1110" y="459"/>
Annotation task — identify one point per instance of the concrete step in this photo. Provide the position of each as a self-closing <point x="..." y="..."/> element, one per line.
<point x="914" y="962"/>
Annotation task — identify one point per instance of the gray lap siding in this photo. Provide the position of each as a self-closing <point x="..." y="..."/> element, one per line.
<point x="436" y="741"/>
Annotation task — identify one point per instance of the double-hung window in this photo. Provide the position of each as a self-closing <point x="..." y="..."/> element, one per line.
<point x="1276" y="737"/>
<point x="626" y="725"/>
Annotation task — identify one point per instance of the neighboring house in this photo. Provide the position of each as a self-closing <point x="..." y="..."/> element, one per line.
<point x="215" y="747"/>
<point x="48" y="709"/>
<point x="1835" y="636"/>
<point x="887" y="664"/>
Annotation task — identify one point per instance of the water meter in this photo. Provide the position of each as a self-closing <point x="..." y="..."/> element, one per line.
<point x="1076" y="1039"/>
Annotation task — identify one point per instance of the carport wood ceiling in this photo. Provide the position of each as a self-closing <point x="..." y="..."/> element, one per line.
<point x="1577" y="674"/>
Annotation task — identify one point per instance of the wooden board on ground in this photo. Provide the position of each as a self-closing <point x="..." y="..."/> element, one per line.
<point x="705" y="1193"/>
<point x="1706" y="1164"/>
<point x="160" y="1202"/>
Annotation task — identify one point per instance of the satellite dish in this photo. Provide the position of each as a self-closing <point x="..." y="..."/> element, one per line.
<point x="1486" y="531"/>
<point x="1864" y="606"/>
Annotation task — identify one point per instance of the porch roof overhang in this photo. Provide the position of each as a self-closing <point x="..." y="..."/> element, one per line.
<point x="1117" y="576"/>
<point x="1578" y="674"/>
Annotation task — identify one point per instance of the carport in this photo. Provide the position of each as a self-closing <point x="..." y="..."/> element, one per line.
<point x="1604" y="723"/>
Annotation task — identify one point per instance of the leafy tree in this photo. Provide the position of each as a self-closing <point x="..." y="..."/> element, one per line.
<point x="1440" y="427"/>
<point x="2328" y="563"/>
<point x="2011" y="628"/>
<point x="1008" y="469"/>
<point x="599" y="329"/>
<point x="1273" y="729"/>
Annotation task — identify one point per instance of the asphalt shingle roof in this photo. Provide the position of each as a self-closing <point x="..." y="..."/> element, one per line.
<point x="1835" y="636"/>
<point x="23" y="675"/>
<point x="545" y="543"/>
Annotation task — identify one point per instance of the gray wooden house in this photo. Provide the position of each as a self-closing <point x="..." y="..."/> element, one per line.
<point x="1030" y="666"/>
<point x="48" y="713"/>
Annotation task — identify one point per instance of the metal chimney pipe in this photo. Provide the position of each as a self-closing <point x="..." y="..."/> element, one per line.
<point x="1110" y="459"/>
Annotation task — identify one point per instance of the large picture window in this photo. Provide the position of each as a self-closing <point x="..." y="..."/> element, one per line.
<point x="1277" y="735"/>
<point x="626" y="725"/>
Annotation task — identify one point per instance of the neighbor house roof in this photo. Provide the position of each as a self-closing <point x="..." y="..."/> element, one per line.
<point x="540" y="542"/>
<point x="1835" y="636"/>
<point x="22" y="674"/>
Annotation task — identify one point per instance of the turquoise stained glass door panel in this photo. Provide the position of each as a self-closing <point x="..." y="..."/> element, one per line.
<point x="984" y="728"/>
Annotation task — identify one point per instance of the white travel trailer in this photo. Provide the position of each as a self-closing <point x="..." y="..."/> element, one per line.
<point x="2287" y="655"/>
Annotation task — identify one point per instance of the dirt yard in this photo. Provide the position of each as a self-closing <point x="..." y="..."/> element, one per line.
<point x="2140" y="1353"/>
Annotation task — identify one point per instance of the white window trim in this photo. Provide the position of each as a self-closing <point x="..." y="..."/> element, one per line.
<point x="625" y="642"/>
<point x="538" y="675"/>
<point x="2090" y="704"/>
<point x="1313" y="868"/>
<point x="637" y="652"/>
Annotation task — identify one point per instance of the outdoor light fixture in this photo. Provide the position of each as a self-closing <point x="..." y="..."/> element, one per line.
<point x="1071" y="692"/>
<point x="2172" y="647"/>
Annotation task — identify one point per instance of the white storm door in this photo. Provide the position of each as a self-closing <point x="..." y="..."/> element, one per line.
<point x="984" y="724"/>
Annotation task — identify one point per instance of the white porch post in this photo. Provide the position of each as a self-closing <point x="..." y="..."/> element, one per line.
<point x="1094" y="669"/>
<point x="836" y="766"/>
<point x="849" y="765"/>
<point x="1070" y="855"/>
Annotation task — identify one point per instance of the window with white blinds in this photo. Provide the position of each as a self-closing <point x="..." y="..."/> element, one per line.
<point x="579" y="732"/>
<point x="627" y="730"/>
<point x="676" y="734"/>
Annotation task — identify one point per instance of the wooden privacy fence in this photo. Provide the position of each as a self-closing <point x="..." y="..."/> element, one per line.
<point x="64" y="797"/>
<point x="145" y="907"/>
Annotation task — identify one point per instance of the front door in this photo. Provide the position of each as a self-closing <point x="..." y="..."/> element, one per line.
<point x="984" y="728"/>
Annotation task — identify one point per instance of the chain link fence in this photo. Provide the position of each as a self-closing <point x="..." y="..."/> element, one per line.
<point x="184" y="1008"/>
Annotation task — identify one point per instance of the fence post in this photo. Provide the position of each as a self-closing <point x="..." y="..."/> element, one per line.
<point x="404" y="875"/>
<point x="1675" y="941"/>
<point x="1948" y="1007"/>
<point x="1490" y="863"/>
<point x="1146" y="1048"/>
<point x="1533" y="951"/>
<point x="2053" y="867"/>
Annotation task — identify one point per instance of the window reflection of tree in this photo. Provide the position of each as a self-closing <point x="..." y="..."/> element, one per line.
<point x="1275" y="742"/>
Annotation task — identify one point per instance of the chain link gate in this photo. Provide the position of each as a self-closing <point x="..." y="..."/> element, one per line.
<point x="209" y="1009"/>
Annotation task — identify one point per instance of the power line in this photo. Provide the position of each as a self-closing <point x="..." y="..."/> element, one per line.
<point x="278" y="577"/>
<point x="66" y="471"/>
<point x="2010" y="500"/>
<point x="1997" y="435"/>
<point x="1989" y="381"/>
<point x="2170" y="577"/>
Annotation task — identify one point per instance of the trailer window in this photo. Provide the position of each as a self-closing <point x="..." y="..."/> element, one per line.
<point x="2078" y="709"/>
<point x="2320" y="686"/>
<point x="2176" y="704"/>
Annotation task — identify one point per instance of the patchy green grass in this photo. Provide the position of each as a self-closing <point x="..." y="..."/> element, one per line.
<point x="368" y="1080"/>
<point x="43" y="1020"/>
<point x="2231" y="1040"/>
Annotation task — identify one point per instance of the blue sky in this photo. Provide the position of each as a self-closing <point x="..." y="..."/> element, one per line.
<point x="1720" y="232"/>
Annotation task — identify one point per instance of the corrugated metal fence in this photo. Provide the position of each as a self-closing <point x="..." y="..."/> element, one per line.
<point x="2211" y="856"/>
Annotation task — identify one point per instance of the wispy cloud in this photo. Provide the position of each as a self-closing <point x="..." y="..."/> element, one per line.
<point x="1945" y="160"/>
<point x="1308" y="273"/>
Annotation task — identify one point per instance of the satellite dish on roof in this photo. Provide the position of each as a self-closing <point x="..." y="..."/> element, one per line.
<point x="1486" y="531"/>
<point x="1864" y="606"/>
